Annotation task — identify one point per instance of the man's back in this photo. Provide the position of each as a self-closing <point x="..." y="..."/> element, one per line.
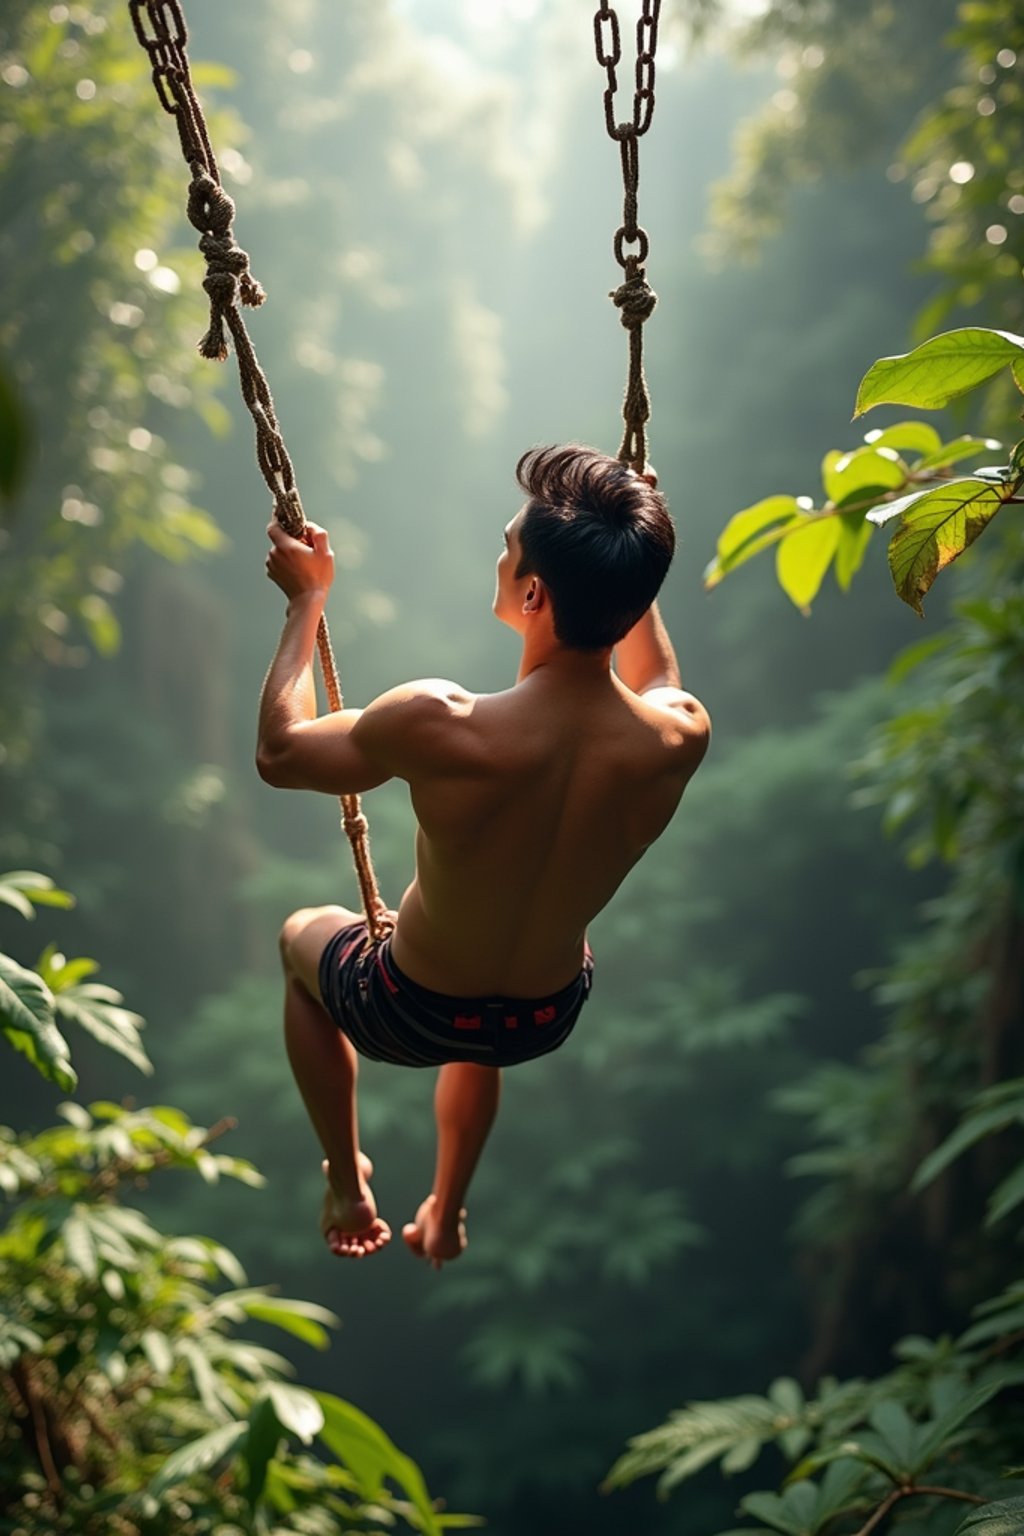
<point x="533" y="805"/>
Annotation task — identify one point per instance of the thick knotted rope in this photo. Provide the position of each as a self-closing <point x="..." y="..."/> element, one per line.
<point x="634" y="298"/>
<point x="160" y="28"/>
<point x="228" y="280"/>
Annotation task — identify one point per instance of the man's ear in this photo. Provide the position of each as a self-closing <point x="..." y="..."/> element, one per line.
<point x="536" y="595"/>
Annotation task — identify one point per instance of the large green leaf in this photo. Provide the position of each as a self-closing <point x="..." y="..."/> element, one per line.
<point x="937" y="526"/>
<point x="939" y="370"/>
<point x="27" y="1020"/>
<point x="260" y="1447"/>
<point x="803" y="558"/>
<point x="1003" y="1518"/>
<point x="876" y="468"/>
<point x="363" y="1447"/>
<point x="748" y="532"/>
<point x="907" y="437"/>
<point x="304" y="1319"/>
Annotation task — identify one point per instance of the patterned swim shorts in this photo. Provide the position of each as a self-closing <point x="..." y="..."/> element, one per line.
<point x="389" y="1017"/>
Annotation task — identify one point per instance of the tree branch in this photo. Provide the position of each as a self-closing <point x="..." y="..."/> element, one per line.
<point x="908" y="1491"/>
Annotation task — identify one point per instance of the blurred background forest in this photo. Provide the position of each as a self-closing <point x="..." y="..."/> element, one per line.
<point x="819" y="966"/>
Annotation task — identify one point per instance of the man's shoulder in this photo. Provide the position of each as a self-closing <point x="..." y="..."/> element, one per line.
<point x="425" y="697"/>
<point x="419" y="725"/>
<point x="687" y="722"/>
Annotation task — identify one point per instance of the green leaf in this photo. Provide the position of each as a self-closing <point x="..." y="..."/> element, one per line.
<point x="874" y="468"/>
<point x="60" y="973"/>
<point x="101" y="623"/>
<point x="198" y="1456"/>
<point x="958" y="448"/>
<point x="865" y="1447"/>
<point x="742" y="1455"/>
<point x="26" y="1018"/>
<point x="897" y="1430"/>
<point x="260" y="1447"/>
<point x="792" y="1512"/>
<point x="803" y="558"/>
<point x="304" y="1319"/>
<point x="363" y="1447"/>
<point x="973" y="1128"/>
<point x="97" y="1010"/>
<point x="158" y="1352"/>
<point x="79" y="1244"/>
<point x="16" y="1340"/>
<point x="207" y="1383"/>
<point x="1006" y="1197"/>
<point x="297" y="1411"/>
<point x="937" y="527"/>
<point x="19" y="886"/>
<point x="907" y="436"/>
<point x="1003" y="1518"/>
<point x="937" y="1434"/>
<point x="748" y="532"/>
<point x="940" y="370"/>
<point x="854" y="538"/>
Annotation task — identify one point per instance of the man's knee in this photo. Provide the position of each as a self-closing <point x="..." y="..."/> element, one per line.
<point x="292" y="930"/>
<point x="307" y="928"/>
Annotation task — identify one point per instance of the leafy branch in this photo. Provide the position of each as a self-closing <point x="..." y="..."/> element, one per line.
<point x="901" y="473"/>
<point x="36" y="1001"/>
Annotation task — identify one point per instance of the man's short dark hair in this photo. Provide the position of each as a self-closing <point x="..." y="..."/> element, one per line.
<point x="598" y="536"/>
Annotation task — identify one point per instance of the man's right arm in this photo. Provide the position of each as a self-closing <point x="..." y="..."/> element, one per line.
<point x="645" y="659"/>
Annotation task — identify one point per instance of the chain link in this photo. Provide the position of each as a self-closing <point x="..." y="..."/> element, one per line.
<point x="608" y="48"/>
<point x="161" y="30"/>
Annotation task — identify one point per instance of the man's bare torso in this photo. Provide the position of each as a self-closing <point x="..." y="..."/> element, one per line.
<point x="533" y="805"/>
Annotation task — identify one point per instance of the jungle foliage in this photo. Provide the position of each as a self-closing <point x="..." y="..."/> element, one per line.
<point x="404" y="217"/>
<point x="915" y="1149"/>
<point x="130" y="1405"/>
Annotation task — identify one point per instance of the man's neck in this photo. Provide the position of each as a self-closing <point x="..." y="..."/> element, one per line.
<point x="557" y="660"/>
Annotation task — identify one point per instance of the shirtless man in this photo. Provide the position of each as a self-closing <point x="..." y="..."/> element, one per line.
<point x="532" y="806"/>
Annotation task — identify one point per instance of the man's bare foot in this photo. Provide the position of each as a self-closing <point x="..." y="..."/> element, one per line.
<point x="352" y="1228"/>
<point x="431" y="1239"/>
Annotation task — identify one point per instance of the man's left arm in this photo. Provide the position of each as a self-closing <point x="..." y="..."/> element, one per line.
<point x="295" y="748"/>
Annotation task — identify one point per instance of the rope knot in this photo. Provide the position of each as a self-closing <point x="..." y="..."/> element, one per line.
<point x="228" y="278"/>
<point x="356" y="826"/>
<point x="635" y="299"/>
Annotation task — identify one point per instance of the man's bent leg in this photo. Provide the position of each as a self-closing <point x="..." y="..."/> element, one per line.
<point x="325" y="1066"/>
<point x="465" y="1103"/>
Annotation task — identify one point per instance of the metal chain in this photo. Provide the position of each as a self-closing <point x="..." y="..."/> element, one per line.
<point x="634" y="297"/>
<point x="161" y="30"/>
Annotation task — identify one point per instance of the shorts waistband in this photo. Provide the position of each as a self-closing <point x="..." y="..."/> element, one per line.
<point x="472" y="1012"/>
